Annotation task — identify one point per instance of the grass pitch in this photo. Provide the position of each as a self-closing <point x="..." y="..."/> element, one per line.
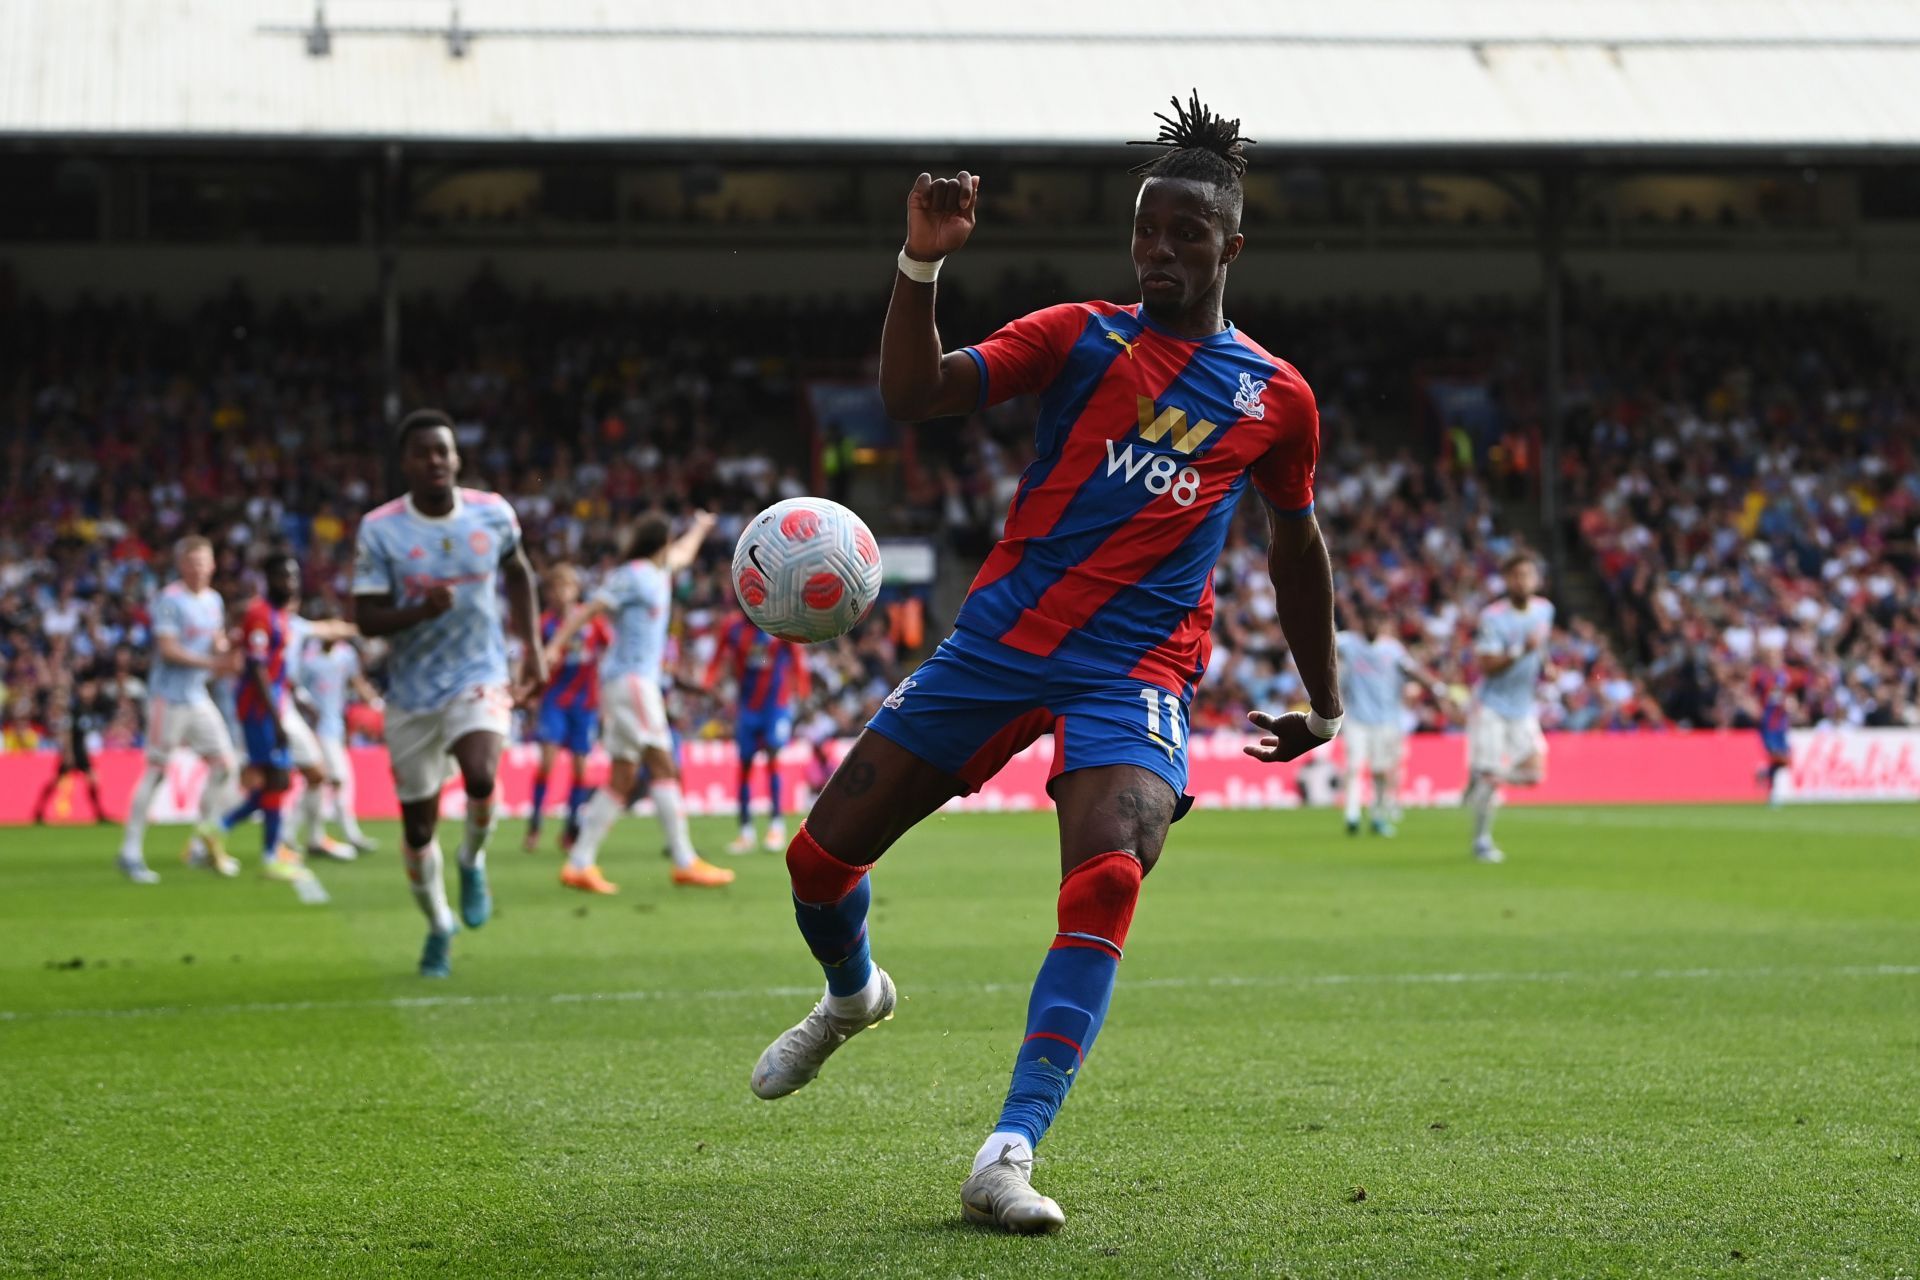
<point x="1658" y="1042"/>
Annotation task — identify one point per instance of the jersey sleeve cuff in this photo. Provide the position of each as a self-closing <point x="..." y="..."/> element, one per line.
<point x="980" y="363"/>
<point x="1290" y="513"/>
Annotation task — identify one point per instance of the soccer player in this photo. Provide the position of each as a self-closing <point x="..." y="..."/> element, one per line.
<point x="1773" y="685"/>
<point x="327" y="672"/>
<point x="1374" y="667"/>
<point x="1088" y="621"/>
<point x="190" y="648"/>
<point x="770" y="676"/>
<point x="426" y="574"/>
<point x="74" y="712"/>
<point x="1504" y="742"/>
<point x="570" y="711"/>
<point x="277" y="739"/>
<point x="633" y="715"/>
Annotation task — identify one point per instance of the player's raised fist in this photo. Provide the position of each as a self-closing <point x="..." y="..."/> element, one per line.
<point x="940" y="214"/>
<point x="1289" y="738"/>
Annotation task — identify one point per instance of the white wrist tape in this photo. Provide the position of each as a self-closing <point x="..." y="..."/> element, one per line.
<point x="1326" y="730"/>
<point x="923" y="272"/>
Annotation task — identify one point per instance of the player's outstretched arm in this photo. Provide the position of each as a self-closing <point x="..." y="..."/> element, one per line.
<point x="917" y="380"/>
<point x="1303" y="586"/>
<point x="685" y="549"/>
<point x="571" y="625"/>
<point x="523" y="609"/>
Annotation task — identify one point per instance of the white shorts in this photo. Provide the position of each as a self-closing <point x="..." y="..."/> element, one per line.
<point x="334" y="759"/>
<point x="1495" y="743"/>
<point x="302" y="747"/>
<point x="633" y="717"/>
<point x="418" y="741"/>
<point x="1376" y="748"/>
<point x="197" y="726"/>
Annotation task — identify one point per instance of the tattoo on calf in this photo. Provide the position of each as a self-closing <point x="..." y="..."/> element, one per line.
<point x="855" y="777"/>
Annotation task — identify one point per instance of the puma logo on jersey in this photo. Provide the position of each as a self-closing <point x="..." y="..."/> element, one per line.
<point x="1129" y="346"/>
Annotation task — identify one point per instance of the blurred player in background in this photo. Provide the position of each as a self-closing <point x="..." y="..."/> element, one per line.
<point x="1374" y="667"/>
<point x="633" y="716"/>
<point x="770" y="677"/>
<point x="277" y="738"/>
<point x="570" y="711"/>
<point x="190" y="648"/>
<point x="328" y="671"/>
<point x="1504" y="742"/>
<point x="1773" y="686"/>
<point x="427" y="573"/>
<point x="1090" y="620"/>
<point x="74" y="714"/>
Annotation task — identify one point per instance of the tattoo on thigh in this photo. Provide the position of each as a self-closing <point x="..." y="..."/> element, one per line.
<point x="856" y="777"/>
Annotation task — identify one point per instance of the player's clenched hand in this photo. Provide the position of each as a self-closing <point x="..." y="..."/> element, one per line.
<point x="940" y="214"/>
<point x="439" y="600"/>
<point x="1289" y="738"/>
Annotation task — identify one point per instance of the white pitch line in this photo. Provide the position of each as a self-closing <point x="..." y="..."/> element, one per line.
<point x="982" y="988"/>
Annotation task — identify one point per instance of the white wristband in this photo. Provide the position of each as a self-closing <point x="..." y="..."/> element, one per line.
<point x="922" y="272"/>
<point x="1325" y="730"/>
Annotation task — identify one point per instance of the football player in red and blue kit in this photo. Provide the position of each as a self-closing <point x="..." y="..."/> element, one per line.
<point x="1089" y="621"/>
<point x="570" y="710"/>
<point x="770" y="677"/>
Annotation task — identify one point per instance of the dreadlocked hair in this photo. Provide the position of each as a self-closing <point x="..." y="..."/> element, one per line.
<point x="1203" y="146"/>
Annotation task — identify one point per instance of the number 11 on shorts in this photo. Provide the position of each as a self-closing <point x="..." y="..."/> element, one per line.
<point x="1153" y="698"/>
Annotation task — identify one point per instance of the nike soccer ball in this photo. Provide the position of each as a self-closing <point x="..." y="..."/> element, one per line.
<point x="806" y="570"/>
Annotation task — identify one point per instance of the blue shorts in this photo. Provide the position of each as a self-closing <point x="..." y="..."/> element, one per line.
<point x="766" y="730"/>
<point x="976" y="703"/>
<point x="1775" y="745"/>
<point x="264" y="749"/>
<point x="569" y="728"/>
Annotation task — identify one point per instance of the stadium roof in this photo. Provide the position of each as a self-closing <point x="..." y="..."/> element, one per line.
<point x="1808" y="76"/>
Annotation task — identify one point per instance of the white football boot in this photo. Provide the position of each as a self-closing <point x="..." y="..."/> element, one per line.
<point x="795" y="1058"/>
<point x="1002" y="1195"/>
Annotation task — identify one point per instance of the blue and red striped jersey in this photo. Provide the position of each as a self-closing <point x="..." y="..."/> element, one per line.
<point x="266" y="634"/>
<point x="771" y="672"/>
<point x="1144" y="445"/>
<point x="574" y="684"/>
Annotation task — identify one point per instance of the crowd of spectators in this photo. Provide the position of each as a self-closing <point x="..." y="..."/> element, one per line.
<point x="1746" y="491"/>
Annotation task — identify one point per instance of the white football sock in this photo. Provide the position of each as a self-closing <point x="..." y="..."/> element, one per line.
<point x="1353" y="796"/>
<point x="343" y="806"/>
<point x="596" y="820"/>
<point x="1386" y="797"/>
<point x="425" y="871"/>
<point x="133" y="844"/>
<point x="308" y="828"/>
<point x="473" y="847"/>
<point x="860" y="1002"/>
<point x="213" y="799"/>
<point x="1480" y="798"/>
<point x="997" y="1143"/>
<point x="673" y="820"/>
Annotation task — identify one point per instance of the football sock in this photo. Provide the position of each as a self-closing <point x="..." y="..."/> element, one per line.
<point x="830" y="901"/>
<point x="473" y="846"/>
<point x="577" y="798"/>
<point x="1070" y="995"/>
<point x="746" y="795"/>
<point x="539" y="805"/>
<point x="215" y="793"/>
<point x="673" y="821"/>
<point x="272" y="803"/>
<point x="424" y="872"/>
<point x="773" y="792"/>
<point x="132" y="843"/>
<point x="244" y="810"/>
<point x="998" y="1143"/>
<point x="1353" y="795"/>
<point x="93" y="794"/>
<point x="308" y="828"/>
<point x="343" y="805"/>
<point x="595" y="821"/>
<point x="1386" y="798"/>
<point x="1480" y="799"/>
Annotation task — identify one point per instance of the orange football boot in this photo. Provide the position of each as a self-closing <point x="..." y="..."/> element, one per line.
<point x="587" y="880"/>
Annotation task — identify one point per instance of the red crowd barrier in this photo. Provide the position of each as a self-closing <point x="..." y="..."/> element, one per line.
<point x="1597" y="768"/>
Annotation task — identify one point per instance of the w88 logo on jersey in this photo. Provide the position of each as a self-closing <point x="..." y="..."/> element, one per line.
<point x="1158" y="472"/>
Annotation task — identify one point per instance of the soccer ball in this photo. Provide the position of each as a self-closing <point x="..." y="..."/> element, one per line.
<point x="806" y="570"/>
